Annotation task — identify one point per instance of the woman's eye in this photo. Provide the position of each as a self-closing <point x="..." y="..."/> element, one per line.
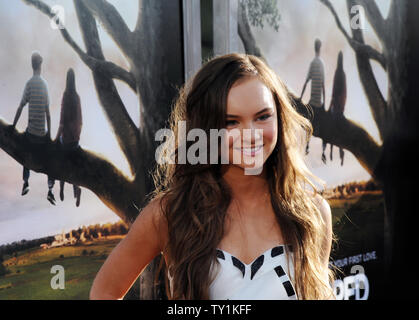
<point x="264" y="117"/>
<point x="230" y="122"/>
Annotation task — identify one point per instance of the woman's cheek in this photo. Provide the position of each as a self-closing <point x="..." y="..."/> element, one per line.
<point x="269" y="134"/>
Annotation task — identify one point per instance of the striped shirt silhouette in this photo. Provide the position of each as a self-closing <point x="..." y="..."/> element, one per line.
<point x="316" y="75"/>
<point x="36" y="94"/>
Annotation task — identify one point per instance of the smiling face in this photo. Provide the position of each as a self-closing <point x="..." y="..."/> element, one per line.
<point x="251" y="122"/>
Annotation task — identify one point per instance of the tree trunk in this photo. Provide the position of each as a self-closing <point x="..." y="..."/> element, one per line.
<point x="159" y="73"/>
<point x="398" y="166"/>
<point x="158" y="69"/>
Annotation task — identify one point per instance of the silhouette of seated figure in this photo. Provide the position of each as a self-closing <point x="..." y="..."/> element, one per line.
<point x="36" y="96"/>
<point x="316" y="76"/>
<point x="70" y="125"/>
<point x="337" y="104"/>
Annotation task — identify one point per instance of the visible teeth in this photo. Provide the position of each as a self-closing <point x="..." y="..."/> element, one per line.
<point x="249" y="150"/>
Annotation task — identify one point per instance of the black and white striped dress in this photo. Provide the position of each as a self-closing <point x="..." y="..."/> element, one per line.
<point x="265" y="278"/>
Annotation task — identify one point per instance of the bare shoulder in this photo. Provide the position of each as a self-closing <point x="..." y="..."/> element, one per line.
<point x="151" y="217"/>
<point x="323" y="207"/>
<point x="159" y="221"/>
<point x="326" y="215"/>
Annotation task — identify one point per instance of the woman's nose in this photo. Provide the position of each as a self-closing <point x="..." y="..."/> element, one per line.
<point x="251" y="134"/>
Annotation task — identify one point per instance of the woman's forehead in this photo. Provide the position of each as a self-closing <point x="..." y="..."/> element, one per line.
<point x="250" y="95"/>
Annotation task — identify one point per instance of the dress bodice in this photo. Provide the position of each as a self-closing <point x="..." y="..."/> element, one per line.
<point x="265" y="278"/>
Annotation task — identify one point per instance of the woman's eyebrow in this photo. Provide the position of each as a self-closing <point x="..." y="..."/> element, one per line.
<point x="257" y="113"/>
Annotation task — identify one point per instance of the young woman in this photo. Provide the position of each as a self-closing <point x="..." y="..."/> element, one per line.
<point x="224" y="233"/>
<point x="70" y="125"/>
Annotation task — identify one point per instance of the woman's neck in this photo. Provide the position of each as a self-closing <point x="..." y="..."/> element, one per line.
<point x="246" y="189"/>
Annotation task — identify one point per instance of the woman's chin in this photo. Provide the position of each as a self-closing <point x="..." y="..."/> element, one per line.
<point x="251" y="169"/>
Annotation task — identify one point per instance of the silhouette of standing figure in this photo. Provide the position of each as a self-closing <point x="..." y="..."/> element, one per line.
<point x="337" y="104"/>
<point x="70" y="125"/>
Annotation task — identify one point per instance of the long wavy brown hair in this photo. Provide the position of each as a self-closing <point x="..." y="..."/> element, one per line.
<point x="194" y="197"/>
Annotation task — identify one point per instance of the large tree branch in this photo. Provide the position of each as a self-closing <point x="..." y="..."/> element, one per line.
<point x="123" y="127"/>
<point x="80" y="167"/>
<point x="109" y="68"/>
<point x="114" y="24"/>
<point x="138" y="23"/>
<point x="392" y="12"/>
<point x="359" y="47"/>
<point x="377" y="103"/>
<point x="344" y="133"/>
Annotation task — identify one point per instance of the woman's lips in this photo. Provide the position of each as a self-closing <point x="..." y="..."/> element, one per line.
<point x="250" y="151"/>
